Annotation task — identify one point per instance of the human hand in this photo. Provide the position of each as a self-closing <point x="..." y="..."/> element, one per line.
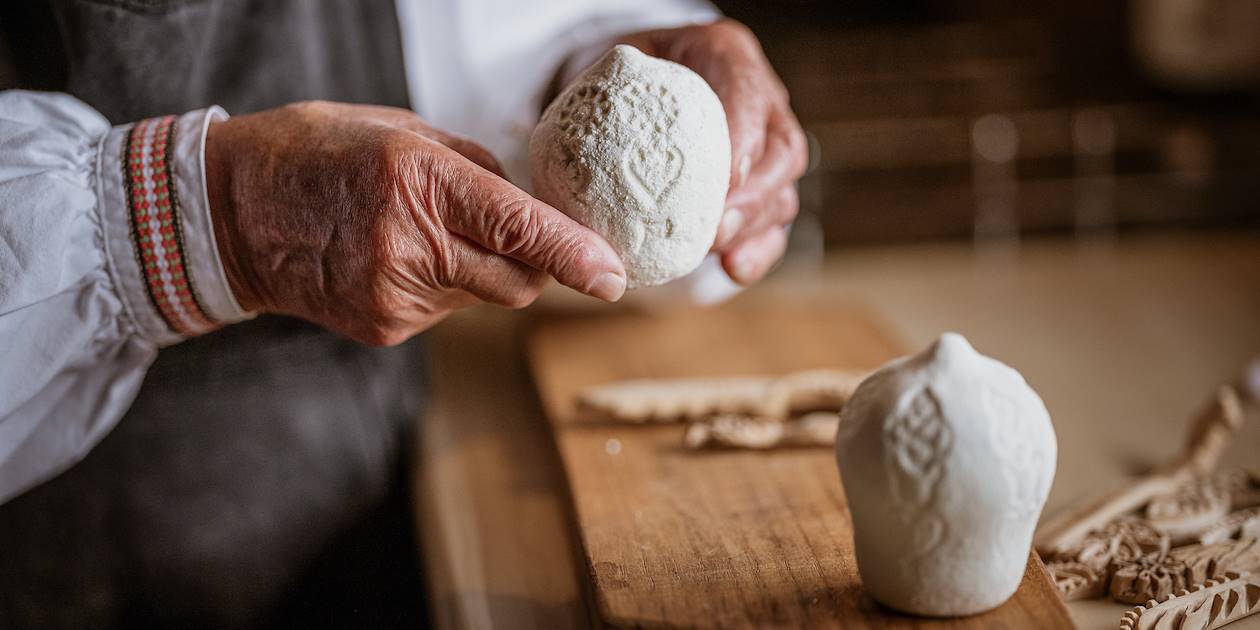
<point x="368" y="222"/>
<point x="768" y="148"/>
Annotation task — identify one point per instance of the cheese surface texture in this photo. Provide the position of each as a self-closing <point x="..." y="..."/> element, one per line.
<point x="637" y="149"/>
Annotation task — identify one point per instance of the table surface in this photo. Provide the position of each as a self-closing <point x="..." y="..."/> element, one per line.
<point x="730" y="538"/>
<point x="1123" y="341"/>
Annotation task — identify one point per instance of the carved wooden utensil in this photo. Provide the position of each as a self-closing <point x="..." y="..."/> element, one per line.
<point x="1243" y="524"/>
<point x="1209" y="434"/>
<point x="1075" y="580"/>
<point x="1191" y="509"/>
<point x="817" y="428"/>
<point x="1084" y="571"/>
<point x="1157" y="576"/>
<point x="1199" y="511"/>
<point x="1212" y="604"/>
<point x="676" y="400"/>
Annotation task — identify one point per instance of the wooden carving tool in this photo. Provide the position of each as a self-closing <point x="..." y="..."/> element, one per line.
<point x="1209" y="434"/>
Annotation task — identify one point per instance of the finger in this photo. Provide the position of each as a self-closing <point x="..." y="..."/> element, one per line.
<point x="783" y="160"/>
<point x="732" y="224"/>
<point x="777" y="208"/>
<point x="475" y="153"/>
<point x="410" y="121"/>
<point x="746" y="117"/>
<point x="466" y="147"/>
<point x="755" y="257"/>
<point x="423" y="317"/>
<point x="503" y="219"/>
<point x="423" y="314"/>
<point x="493" y="278"/>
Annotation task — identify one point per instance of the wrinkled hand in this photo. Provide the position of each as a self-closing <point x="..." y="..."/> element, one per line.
<point x="369" y="222"/>
<point x="768" y="149"/>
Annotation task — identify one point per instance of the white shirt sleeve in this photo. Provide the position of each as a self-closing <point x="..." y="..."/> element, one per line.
<point x="106" y="254"/>
<point x="481" y="68"/>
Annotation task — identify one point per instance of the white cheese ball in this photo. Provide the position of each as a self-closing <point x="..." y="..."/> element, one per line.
<point x="637" y="149"/>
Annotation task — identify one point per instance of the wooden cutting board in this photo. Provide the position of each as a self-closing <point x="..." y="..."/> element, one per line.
<point x="723" y="539"/>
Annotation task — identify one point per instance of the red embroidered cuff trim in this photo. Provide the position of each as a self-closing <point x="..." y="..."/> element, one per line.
<point x="153" y="215"/>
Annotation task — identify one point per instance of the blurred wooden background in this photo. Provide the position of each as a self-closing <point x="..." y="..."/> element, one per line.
<point x="981" y="119"/>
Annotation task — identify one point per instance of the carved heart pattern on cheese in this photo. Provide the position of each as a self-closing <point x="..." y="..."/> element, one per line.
<point x="652" y="172"/>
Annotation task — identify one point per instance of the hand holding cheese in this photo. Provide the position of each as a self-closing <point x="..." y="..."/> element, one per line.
<point x="638" y="150"/>
<point x="371" y="223"/>
<point x="768" y="147"/>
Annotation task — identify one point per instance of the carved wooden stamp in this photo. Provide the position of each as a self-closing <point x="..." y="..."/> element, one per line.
<point x="1212" y="604"/>
<point x="1155" y="576"/>
<point x="1190" y="509"/>
<point x="1208" y="437"/>
<point x="1241" y="524"/>
<point x="676" y="400"/>
<point x="1101" y="552"/>
<point x="1075" y="580"/>
<point x="816" y="428"/>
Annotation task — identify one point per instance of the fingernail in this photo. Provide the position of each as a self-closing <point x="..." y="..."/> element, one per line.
<point x="732" y="220"/>
<point x="608" y="287"/>
<point x="745" y="165"/>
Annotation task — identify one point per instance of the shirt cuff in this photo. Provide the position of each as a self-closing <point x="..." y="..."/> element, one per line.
<point x="159" y="237"/>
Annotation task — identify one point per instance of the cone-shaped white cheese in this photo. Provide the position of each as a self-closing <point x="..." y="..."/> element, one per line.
<point x="946" y="459"/>
<point x="638" y="150"/>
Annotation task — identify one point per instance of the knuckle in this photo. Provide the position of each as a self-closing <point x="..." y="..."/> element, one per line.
<point x="383" y="300"/>
<point x="384" y="337"/>
<point x="513" y="227"/>
<point x="537" y="282"/>
<point x="789" y="209"/>
<point x="308" y="109"/>
<point x="568" y="252"/>
<point x="388" y="149"/>
<point x="388" y="160"/>
<point x="800" y="150"/>
<point x="483" y="156"/>
<point x="446" y="268"/>
<point x="736" y="28"/>
<point x="378" y="334"/>
<point x="386" y="315"/>
<point x="521" y="298"/>
<point x="394" y="337"/>
<point x="380" y="306"/>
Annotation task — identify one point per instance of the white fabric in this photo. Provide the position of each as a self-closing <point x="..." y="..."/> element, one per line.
<point x="76" y="327"/>
<point x="205" y="269"/>
<point x="199" y="243"/>
<point x="77" y="330"/>
<point x="482" y="68"/>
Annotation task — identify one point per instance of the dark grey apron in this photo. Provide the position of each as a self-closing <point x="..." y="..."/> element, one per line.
<point x="251" y="481"/>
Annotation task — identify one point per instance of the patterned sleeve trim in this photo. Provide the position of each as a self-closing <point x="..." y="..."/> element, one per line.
<point x="154" y="219"/>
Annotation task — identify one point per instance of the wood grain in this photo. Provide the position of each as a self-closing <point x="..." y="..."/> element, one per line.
<point x="493" y="514"/>
<point x="731" y="538"/>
